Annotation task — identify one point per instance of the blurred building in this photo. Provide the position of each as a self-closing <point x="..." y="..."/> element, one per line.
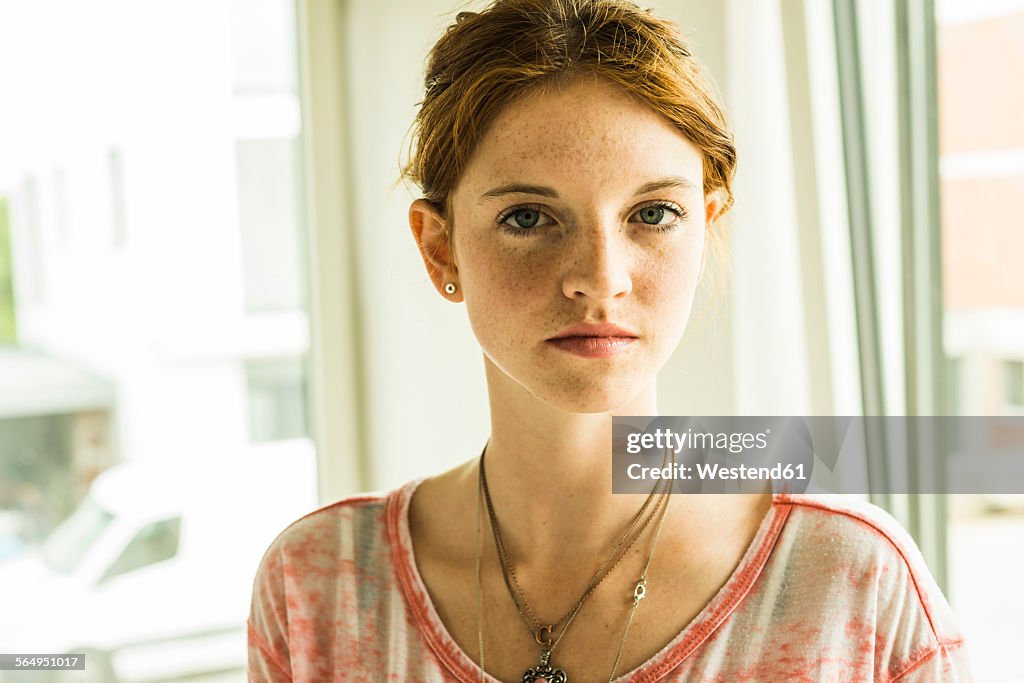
<point x="981" y="108"/>
<point x="154" y="190"/>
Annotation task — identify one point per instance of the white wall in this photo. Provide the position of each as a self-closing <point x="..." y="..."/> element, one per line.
<point x="769" y="353"/>
<point x="427" y="402"/>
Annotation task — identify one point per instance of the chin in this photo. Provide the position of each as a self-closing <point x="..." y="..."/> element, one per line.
<point x="596" y="398"/>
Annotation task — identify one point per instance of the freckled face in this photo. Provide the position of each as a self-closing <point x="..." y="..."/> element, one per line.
<point x="579" y="205"/>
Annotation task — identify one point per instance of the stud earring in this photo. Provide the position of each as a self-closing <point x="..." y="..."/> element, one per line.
<point x="449" y="287"/>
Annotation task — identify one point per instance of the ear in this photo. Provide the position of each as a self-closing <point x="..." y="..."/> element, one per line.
<point x="429" y="229"/>
<point x="711" y="206"/>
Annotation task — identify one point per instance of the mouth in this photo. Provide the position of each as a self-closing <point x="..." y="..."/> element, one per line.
<point x="585" y="329"/>
<point x="595" y="340"/>
<point x="593" y="346"/>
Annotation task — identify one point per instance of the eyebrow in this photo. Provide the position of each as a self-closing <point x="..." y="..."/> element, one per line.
<point x="545" y="191"/>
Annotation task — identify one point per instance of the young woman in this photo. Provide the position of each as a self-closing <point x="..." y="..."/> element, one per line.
<point x="574" y="166"/>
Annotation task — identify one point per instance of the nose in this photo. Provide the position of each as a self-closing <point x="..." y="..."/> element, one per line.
<point x="599" y="263"/>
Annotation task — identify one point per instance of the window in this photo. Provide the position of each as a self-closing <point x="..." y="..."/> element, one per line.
<point x="33" y="281"/>
<point x="268" y="198"/>
<point x="61" y="208"/>
<point x="263" y="48"/>
<point x="277" y="399"/>
<point x="953" y="370"/>
<point x="156" y="249"/>
<point x="1013" y="371"/>
<point x="8" y="327"/>
<point x="119" y="229"/>
<point x="981" y="172"/>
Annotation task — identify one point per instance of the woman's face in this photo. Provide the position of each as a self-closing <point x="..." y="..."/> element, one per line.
<point x="580" y="205"/>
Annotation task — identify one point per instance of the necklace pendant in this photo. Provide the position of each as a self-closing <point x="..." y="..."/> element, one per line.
<point x="544" y="672"/>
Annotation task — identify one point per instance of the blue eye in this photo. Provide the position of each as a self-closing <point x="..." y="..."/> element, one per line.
<point x="525" y="218"/>
<point x="654" y="214"/>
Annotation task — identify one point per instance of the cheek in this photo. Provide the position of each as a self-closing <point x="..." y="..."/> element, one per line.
<point x="503" y="283"/>
<point x="503" y="270"/>
<point x="665" y="289"/>
<point x="669" y="275"/>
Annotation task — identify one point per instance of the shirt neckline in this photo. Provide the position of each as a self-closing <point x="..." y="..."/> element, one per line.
<point x="700" y="628"/>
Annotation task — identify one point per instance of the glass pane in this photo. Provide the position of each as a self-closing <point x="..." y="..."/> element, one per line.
<point x="263" y="54"/>
<point x="1013" y="395"/>
<point x="277" y="408"/>
<point x="153" y="322"/>
<point x="268" y="190"/>
<point x="982" y="176"/>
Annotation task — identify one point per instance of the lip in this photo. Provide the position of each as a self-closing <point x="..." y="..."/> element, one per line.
<point x="594" y="340"/>
<point x="594" y="347"/>
<point x="594" y="330"/>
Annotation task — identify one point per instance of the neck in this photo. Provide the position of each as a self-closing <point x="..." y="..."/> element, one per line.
<point x="549" y="472"/>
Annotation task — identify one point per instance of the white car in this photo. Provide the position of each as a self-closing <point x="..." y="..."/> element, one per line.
<point x="151" y="576"/>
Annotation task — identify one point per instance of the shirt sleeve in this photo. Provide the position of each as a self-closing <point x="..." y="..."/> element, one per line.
<point x="880" y="611"/>
<point x="947" y="663"/>
<point x="264" y="666"/>
<point x="269" y="660"/>
<point x="925" y="632"/>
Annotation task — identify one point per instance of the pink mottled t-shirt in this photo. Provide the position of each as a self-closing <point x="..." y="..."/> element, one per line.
<point x="831" y="588"/>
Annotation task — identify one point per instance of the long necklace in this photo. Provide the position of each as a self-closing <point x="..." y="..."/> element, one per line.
<point x="545" y="672"/>
<point x="541" y="633"/>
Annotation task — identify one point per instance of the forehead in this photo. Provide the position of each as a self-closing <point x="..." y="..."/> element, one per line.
<point x="587" y="131"/>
